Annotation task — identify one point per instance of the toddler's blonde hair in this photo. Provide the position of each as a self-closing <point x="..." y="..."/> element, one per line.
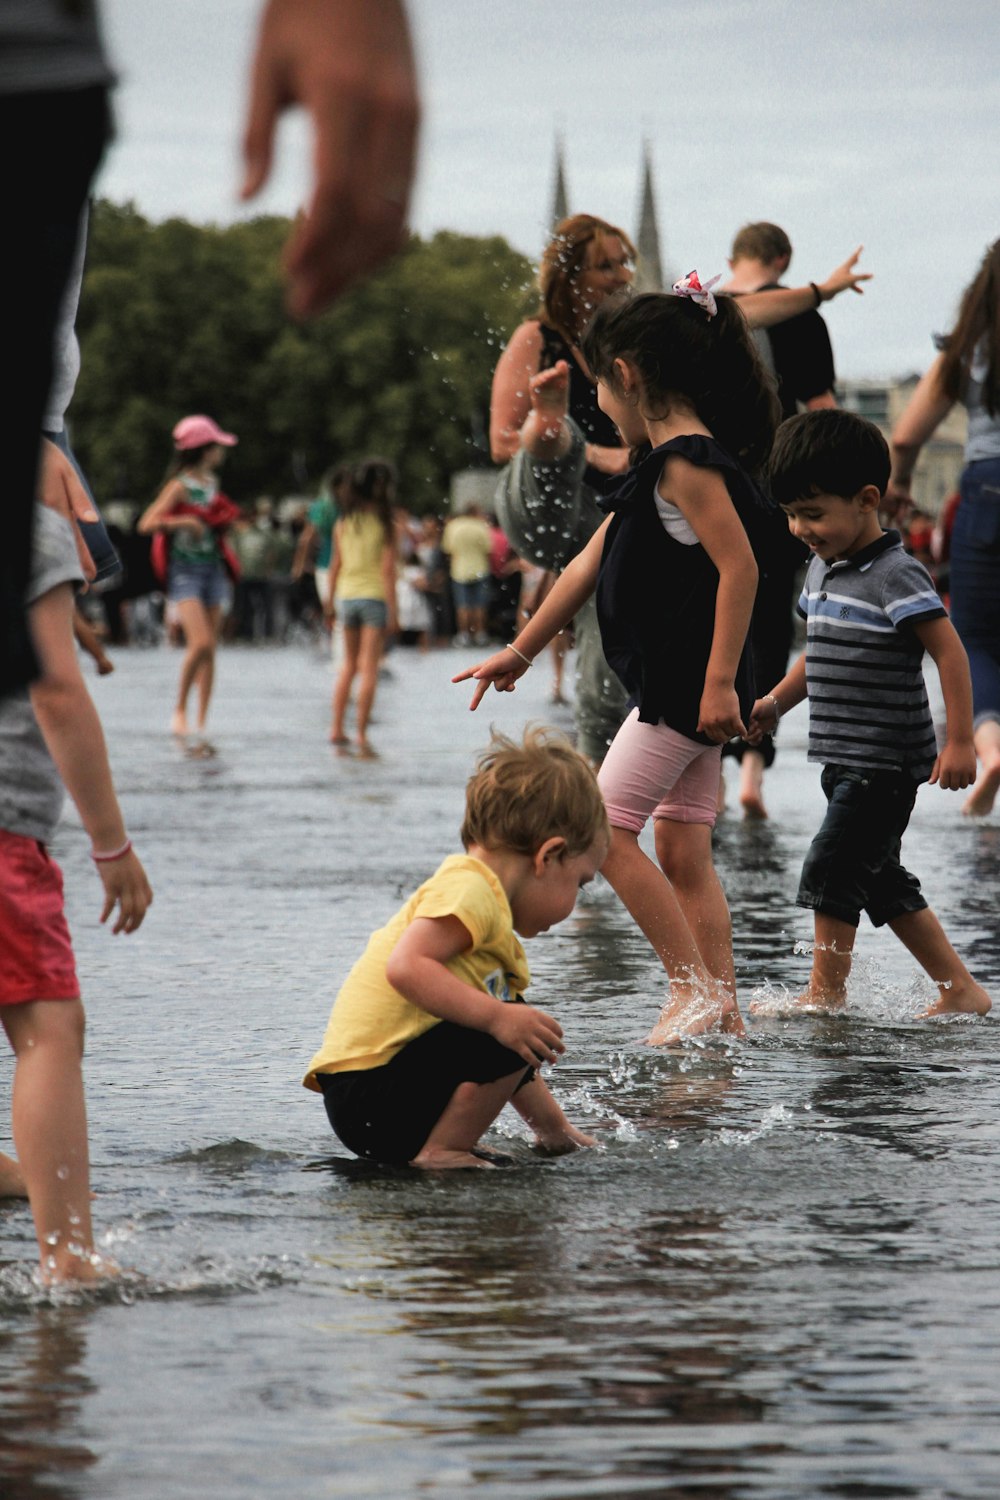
<point x="522" y="794"/>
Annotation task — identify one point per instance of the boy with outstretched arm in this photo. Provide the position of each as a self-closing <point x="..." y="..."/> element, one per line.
<point x="429" y="1037"/>
<point x="871" y="613"/>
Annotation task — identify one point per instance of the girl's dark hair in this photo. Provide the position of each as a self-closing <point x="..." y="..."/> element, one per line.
<point x="679" y="350"/>
<point x="185" y="458"/>
<point x="371" y="486"/>
<point x="978" y="318"/>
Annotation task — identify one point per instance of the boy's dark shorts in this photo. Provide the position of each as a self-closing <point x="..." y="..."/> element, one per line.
<point x="386" y="1114"/>
<point x="853" y="862"/>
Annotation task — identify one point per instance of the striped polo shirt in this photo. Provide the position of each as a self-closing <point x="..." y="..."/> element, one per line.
<point x="867" y="700"/>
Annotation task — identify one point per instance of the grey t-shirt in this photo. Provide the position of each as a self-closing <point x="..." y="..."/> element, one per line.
<point x="50" y="45"/>
<point x="31" y="794"/>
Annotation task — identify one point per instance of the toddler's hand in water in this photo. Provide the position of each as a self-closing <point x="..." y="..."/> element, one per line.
<point x="502" y="670"/>
<point x="529" y="1032"/>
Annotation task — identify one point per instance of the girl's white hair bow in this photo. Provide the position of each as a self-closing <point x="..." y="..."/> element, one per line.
<point x="690" y="286"/>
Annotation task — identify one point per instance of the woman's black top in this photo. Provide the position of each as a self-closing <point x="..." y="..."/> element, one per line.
<point x="595" y="425"/>
<point x="656" y="595"/>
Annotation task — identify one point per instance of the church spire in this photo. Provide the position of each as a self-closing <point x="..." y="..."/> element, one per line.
<point x="649" y="274"/>
<point x="560" y="198"/>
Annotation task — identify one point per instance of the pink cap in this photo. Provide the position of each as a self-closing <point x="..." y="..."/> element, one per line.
<point x="196" y="432"/>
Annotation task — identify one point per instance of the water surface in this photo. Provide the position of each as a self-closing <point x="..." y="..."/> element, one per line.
<point x="777" y="1277"/>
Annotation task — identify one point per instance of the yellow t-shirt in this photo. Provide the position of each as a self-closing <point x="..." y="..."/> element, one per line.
<point x="370" y="1021"/>
<point x="467" y="541"/>
<point x="362" y="541"/>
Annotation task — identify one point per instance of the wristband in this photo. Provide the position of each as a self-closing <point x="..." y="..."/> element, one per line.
<point x="816" y="293"/>
<point x="107" y="859"/>
<point x="526" y="659"/>
<point x="770" y="698"/>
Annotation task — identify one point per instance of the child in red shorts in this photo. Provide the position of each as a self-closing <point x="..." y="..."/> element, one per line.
<point x="50" y="737"/>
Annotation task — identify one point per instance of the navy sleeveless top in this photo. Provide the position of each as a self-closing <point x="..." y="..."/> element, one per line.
<point x="656" y="595"/>
<point x="596" y="426"/>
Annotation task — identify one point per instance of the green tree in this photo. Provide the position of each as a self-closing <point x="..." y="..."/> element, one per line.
<point x="177" y="318"/>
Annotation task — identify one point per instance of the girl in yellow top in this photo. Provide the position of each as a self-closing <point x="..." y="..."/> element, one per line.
<point x="363" y="589"/>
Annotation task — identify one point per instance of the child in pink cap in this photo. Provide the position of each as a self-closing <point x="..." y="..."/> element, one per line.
<point x="192" y="517"/>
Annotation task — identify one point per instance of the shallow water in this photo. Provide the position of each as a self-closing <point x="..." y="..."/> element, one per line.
<point x="777" y="1277"/>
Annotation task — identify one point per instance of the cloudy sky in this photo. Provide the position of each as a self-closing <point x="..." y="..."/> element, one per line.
<point x="862" y="121"/>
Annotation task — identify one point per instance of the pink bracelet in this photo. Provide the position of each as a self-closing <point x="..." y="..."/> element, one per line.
<point x="107" y="859"/>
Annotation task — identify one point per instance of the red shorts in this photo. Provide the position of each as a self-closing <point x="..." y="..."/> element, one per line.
<point x="36" y="955"/>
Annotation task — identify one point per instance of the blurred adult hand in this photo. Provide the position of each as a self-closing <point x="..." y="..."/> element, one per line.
<point x="349" y="64"/>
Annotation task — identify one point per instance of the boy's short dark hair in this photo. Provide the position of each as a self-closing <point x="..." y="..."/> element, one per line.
<point x="828" y="452"/>
<point x="762" y="241"/>
<point x="522" y="794"/>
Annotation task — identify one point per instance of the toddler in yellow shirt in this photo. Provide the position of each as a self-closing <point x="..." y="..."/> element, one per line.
<point x="429" y="1036"/>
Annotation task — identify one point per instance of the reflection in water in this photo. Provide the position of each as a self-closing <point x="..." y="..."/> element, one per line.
<point x="776" y="1280"/>
<point x="42" y="1391"/>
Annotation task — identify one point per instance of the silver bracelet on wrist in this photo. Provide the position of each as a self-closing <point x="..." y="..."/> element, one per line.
<point x="770" y="698"/>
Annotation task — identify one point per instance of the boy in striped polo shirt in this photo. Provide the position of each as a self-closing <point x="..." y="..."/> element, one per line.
<point x="871" y="612"/>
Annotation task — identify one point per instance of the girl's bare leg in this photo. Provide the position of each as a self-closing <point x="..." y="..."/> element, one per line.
<point x="206" y="677"/>
<point x="369" y="660"/>
<point x="684" y="851"/>
<point x="697" y="1000"/>
<point x="199" y="639"/>
<point x="469" y="1114"/>
<point x="342" y="687"/>
<point x="50" y="1134"/>
<point x="983" y="795"/>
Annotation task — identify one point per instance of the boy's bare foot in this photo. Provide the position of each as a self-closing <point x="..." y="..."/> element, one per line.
<point x="564" y="1141"/>
<point x="178" y="723"/>
<point x="437" y="1159"/>
<point x="12" y="1183"/>
<point x="959" y="1000"/>
<point x="980" y="800"/>
<point x="819" y="1002"/>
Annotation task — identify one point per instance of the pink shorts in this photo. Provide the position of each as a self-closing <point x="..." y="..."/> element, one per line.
<point x="36" y="955"/>
<point x="652" y="771"/>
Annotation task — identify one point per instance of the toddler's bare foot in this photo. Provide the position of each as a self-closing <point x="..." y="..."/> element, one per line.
<point x="438" y="1159"/>
<point x="959" y="1000"/>
<point x="980" y="800"/>
<point x="12" y="1183"/>
<point x="564" y="1141"/>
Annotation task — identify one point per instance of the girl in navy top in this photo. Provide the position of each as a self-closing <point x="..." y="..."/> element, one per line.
<point x="675" y="576"/>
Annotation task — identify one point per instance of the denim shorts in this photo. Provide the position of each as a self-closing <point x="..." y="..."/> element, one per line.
<point x="208" y="582"/>
<point x="853" y="862"/>
<point x="472" y="595"/>
<point x="357" y="612"/>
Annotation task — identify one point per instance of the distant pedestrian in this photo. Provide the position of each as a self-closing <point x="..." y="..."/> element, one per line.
<point x="468" y="543"/>
<point x="191" y="517"/>
<point x="362" y="591"/>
